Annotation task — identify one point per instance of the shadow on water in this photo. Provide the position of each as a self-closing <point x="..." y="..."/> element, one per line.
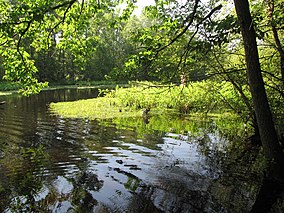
<point x="53" y="164"/>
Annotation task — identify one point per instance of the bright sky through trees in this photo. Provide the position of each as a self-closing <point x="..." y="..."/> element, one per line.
<point x="142" y="3"/>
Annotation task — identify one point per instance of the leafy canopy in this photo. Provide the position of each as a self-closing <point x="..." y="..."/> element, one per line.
<point x="32" y="26"/>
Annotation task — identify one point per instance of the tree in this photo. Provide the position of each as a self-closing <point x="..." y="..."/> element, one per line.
<point x="169" y="46"/>
<point x="268" y="16"/>
<point x="265" y="122"/>
<point x="37" y="21"/>
<point x="261" y="108"/>
<point x="268" y="135"/>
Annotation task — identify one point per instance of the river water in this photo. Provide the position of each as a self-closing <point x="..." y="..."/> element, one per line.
<point x="53" y="164"/>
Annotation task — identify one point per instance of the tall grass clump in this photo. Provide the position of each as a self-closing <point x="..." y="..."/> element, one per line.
<point x="204" y="96"/>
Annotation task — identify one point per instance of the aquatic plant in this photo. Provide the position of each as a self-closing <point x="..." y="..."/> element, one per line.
<point x="202" y="97"/>
<point x="199" y="97"/>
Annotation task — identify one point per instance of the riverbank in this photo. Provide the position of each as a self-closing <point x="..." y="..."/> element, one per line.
<point x="9" y="88"/>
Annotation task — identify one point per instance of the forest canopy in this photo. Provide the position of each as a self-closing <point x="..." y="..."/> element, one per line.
<point x="67" y="41"/>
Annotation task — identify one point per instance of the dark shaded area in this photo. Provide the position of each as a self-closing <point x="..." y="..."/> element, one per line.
<point x="269" y="193"/>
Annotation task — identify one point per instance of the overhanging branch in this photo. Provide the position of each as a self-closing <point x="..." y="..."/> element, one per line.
<point x="30" y="22"/>
<point x="192" y="16"/>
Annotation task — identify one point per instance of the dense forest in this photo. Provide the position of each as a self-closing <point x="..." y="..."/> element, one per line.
<point x="234" y="48"/>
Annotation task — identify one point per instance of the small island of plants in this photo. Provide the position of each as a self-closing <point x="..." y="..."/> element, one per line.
<point x="156" y="99"/>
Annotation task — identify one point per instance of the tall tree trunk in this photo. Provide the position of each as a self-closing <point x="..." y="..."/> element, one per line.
<point x="268" y="135"/>
<point x="267" y="132"/>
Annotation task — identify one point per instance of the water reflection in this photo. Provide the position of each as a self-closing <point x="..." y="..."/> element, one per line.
<point x="49" y="163"/>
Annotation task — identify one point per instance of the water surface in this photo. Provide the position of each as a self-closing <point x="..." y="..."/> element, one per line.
<point x="54" y="164"/>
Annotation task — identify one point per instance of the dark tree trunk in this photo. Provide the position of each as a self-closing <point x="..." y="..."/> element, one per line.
<point x="263" y="114"/>
<point x="267" y="132"/>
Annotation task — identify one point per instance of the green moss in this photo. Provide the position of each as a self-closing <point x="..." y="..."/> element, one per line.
<point x="97" y="108"/>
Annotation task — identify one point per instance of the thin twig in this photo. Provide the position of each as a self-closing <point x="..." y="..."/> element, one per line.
<point x="62" y="20"/>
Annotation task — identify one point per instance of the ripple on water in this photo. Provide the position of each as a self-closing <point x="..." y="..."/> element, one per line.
<point x="124" y="168"/>
<point x="12" y="129"/>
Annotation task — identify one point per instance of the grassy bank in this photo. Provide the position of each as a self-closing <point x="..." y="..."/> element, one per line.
<point x="8" y="88"/>
<point x="200" y="97"/>
<point x="86" y="84"/>
<point x="100" y="108"/>
<point x="5" y="93"/>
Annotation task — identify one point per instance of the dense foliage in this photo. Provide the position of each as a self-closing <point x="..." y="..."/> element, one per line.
<point x="60" y="42"/>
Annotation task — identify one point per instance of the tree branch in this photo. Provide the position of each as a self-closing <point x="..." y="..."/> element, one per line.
<point x="63" y="18"/>
<point x="29" y="23"/>
<point x="192" y="16"/>
<point x="19" y="42"/>
<point x="272" y="75"/>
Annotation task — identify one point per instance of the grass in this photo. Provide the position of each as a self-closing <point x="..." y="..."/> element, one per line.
<point x="98" y="108"/>
<point x="102" y="86"/>
<point x="129" y="102"/>
<point x="8" y="88"/>
<point x="87" y="84"/>
<point x="6" y="93"/>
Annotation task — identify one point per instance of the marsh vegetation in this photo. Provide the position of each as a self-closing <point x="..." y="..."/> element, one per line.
<point x="205" y="98"/>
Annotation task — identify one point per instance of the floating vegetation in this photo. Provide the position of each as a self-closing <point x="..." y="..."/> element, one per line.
<point x="97" y="108"/>
<point x="150" y="98"/>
